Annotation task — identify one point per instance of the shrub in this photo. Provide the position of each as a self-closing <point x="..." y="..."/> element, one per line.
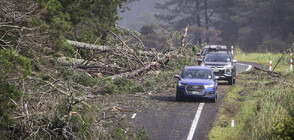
<point x="121" y="86"/>
<point x="284" y="129"/>
<point x="8" y="95"/>
<point x="12" y="65"/>
<point x="121" y="134"/>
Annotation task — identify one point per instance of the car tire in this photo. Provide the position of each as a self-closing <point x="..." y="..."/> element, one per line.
<point x="179" y="99"/>
<point x="214" y="99"/>
<point x="231" y="81"/>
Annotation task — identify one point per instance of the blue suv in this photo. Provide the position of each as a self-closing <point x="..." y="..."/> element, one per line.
<point x="198" y="82"/>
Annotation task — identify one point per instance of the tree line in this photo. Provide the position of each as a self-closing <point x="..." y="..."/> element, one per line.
<point x="254" y="25"/>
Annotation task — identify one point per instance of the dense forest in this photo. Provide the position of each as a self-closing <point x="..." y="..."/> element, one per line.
<point x="41" y="98"/>
<point x="263" y="25"/>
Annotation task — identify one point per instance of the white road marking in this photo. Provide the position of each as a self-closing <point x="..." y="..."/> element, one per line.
<point x="134" y="115"/>
<point x="195" y="122"/>
<point x="233" y="123"/>
<point x="249" y="66"/>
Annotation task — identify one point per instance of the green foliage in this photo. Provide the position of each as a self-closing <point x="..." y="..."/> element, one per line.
<point x="12" y="65"/>
<point x="164" y="80"/>
<point x="9" y="94"/>
<point x="122" y="134"/>
<point x="284" y="129"/>
<point x="78" y="77"/>
<point x="110" y="86"/>
<point x="260" y="107"/>
<point x="77" y="20"/>
<point x="121" y="86"/>
<point x="80" y="123"/>
<point x="265" y="58"/>
<point x="11" y="62"/>
<point x="53" y="7"/>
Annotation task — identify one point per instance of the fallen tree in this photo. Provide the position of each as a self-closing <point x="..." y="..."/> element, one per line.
<point x="120" y="60"/>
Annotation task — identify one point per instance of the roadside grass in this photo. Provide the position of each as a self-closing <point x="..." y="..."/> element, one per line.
<point x="265" y="58"/>
<point x="260" y="107"/>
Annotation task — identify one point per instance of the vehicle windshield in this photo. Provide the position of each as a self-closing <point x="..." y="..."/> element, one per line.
<point x="217" y="57"/>
<point x="196" y="73"/>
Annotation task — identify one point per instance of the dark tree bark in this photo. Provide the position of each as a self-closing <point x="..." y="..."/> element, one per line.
<point x="198" y="19"/>
<point x="206" y="18"/>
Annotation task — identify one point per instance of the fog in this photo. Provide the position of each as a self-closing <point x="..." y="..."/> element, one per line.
<point x="141" y="13"/>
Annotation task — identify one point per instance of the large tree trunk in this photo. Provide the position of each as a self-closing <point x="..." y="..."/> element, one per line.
<point x="206" y="18"/>
<point x="198" y="19"/>
<point x="82" y="45"/>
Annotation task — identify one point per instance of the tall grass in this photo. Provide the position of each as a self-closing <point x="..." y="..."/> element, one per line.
<point x="265" y="58"/>
<point x="262" y="109"/>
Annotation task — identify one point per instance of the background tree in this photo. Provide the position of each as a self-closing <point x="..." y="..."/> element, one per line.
<point x="264" y="25"/>
<point x="198" y="14"/>
<point x="262" y="21"/>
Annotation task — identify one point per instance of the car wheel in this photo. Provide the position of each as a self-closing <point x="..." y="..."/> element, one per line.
<point x="230" y="81"/>
<point x="214" y="99"/>
<point x="179" y="99"/>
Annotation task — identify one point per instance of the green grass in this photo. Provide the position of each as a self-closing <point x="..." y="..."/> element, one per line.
<point x="265" y="58"/>
<point x="262" y="109"/>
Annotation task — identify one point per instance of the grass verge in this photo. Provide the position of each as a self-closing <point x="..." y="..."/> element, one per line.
<point x="265" y="58"/>
<point x="262" y="108"/>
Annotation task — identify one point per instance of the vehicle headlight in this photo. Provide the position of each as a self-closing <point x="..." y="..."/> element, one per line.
<point x="181" y="85"/>
<point x="209" y="86"/>
<point x="228" y="69"/>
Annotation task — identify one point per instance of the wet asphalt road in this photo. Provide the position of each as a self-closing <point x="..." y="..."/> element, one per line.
<point x="166" y="119"/>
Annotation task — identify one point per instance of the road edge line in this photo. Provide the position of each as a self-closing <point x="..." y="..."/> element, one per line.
<point x="134" y="115"/>
<point x="249" y="66"/>
<point x="195" y="121"/>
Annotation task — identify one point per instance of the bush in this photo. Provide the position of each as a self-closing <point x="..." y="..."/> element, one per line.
<point x="121" y="134"/>
<point x="9" y="94"/>
<point x="82" y="78"/>
<point x="12" y="65"/>
<point x="121" y="86"/>
<point x="265" y="112"/>
<point x="284" y="129"/>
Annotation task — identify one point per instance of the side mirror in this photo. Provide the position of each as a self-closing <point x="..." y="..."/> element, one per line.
<point x="216" y="77"/>
<point x="178" y="77"/>
<point x="198" y="54"/>
<point x="235" y="61"/>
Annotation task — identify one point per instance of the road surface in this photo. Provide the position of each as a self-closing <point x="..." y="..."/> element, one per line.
<point x="166" y="119"/>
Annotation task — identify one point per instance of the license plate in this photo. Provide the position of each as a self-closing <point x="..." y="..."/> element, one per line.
<point x="215" y="70"/>
<point x="195" y="92"/>
<point x="195" y="87"/>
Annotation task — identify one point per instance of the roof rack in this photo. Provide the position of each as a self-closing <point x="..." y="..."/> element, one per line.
<point x="216" y="48"/>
